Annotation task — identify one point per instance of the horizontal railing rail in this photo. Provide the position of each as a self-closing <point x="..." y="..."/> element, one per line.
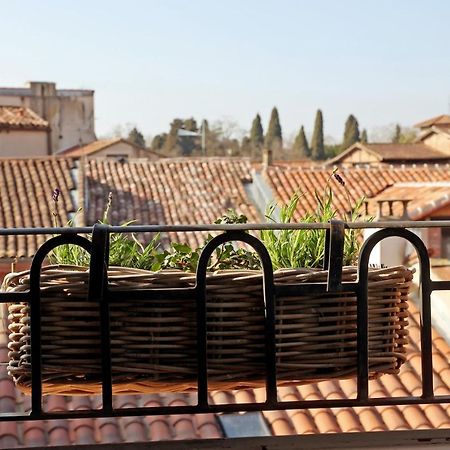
<point x="98" y="247"/>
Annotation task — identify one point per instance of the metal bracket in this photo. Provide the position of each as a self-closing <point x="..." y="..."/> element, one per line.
<point x="335" y="255"/>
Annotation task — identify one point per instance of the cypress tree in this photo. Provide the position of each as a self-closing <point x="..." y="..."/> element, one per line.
<point x="364" y="138"/>
<point x="351" y="133"/>
<point x="274" y="138"/>
<point x="158" y="141"/>
<point x="136" y="137"/>
<point x="256" y="140"/>
<point x="257" y="132"/>
<point x="204" y="125"/>
<point x="317" y="145"/>
<point x="397" y="134"/>
<point x="301" y="147"/>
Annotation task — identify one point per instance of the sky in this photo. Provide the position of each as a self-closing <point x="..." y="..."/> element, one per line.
<point x="149" y="61"/>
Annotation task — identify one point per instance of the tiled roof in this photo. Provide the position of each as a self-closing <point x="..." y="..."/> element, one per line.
<point x="18" y="117"/>
<point x="169" y="191"/>
<point x="205" y="426"/>
<point x="442" y="132"/>
<point x="424" y="199"/>
<point x="443" y="119"/>
<point x="172" y="191"/>
<point x="26" y="187"/>
<point x="92" y="148"/>
<point x="390" y="153"/>
<point x="197" y="191"/>
<point x="406" y="152"/>
<point x="383" y="418"/>
<point x="359" y="183"/>
<point x="92" y="431"/>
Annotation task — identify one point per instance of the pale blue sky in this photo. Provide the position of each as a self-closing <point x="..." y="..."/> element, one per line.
<point x="150" y="61"/>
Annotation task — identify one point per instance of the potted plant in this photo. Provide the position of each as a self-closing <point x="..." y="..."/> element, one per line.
<point x="154" y="342"/>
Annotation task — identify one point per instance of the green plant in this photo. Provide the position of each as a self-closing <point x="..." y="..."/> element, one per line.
<point x="67" y="253"/>
<point x="287" y="248"/>
<point x="123" y="250"/>
<point x="226" y="256"/>
<point x="306" y="248"/>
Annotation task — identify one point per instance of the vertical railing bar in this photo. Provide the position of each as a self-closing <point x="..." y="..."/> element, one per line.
<point x="36" y="341"/>
<point x="362" y="317"/>
<point x="426" y="339"/>
<point x="202" y="342"/>
<point x="362" y="333"/>
<point x="97" y="293"/>
<point x="270" y="332"/>
<point x="202" y="357"/>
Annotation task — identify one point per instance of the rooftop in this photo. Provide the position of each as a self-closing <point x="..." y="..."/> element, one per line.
<point x="360" y="182"/>
<point x="443" y="119"/>
<point x="25" y="190"/>
<point x="394" y="153"/>
<point x="21" y="118"/>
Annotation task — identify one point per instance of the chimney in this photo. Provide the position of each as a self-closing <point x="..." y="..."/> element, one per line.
<point x="42" y="88"/>
<point x="267" y="158"/>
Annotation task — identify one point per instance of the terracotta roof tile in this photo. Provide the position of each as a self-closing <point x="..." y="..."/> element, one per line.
<point x="325" y="421"/>
<point x="393" y="418"/>
<point x="207" y="426"/>
<point x="34" y="434"/>
<point x="26" y="187"/>
<point x="279" y="423"/>
<point x="169" y="191"/>
<point x="21" y="118"/>
<point x="370" y="419"/>
<point x="58" y="432"/>
<point x="303" y="422"/>
<point x="9" y="437"/>
<point x="348" y="421"/>
<point x="424" y="198"/>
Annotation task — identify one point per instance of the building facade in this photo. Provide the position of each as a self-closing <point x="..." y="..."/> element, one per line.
<point x="69" y="112"/>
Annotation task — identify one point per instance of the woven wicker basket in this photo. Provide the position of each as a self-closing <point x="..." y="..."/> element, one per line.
<point x="154" y="342"/>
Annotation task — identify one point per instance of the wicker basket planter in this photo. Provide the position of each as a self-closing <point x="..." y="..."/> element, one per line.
<point x="153" y="343"/>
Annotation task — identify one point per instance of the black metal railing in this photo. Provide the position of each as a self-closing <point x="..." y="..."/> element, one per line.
<point x="99" y="292"/>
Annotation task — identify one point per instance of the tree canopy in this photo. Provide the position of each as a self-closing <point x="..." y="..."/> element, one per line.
<point x="274" y="139"/>
<point x="364" y="138"/>
<point x="396" y="138"/>
<point x="256" y="140"/>
<point x="301" y="147"/>
<point x="351" y="132"/>
<point x="317" y="144"/>
<point x="136" y="137"/>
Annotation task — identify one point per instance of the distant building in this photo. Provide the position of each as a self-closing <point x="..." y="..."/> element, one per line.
<point x="432" y="147"/>
<point x="436" y="137"/>
<point x="117" y="148"/>
<point x="441" y="122"/>
<point x="360" y="154"/>
<point x="69" y="113"/>
<point x="22" y="130"/>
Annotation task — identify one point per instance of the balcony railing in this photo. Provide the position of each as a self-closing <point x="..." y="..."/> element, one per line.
<point x="99" y="292"/>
